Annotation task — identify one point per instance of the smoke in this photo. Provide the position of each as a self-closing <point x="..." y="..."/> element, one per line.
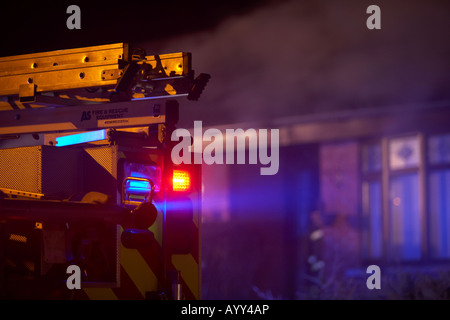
<point x="300" y="57"/>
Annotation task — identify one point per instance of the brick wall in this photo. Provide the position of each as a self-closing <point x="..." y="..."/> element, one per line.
<point x="339" y="177"/>
<point x="339" y="195"/>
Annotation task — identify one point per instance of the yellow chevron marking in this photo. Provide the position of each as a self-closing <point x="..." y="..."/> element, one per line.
<point x="100" y="293"/>
<point x="188" y="267"/>
<point x="138" y="270"/>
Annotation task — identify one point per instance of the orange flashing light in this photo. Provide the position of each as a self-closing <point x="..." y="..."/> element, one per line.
<point x="181" y="180"/>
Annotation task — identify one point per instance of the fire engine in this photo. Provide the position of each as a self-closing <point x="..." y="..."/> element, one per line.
<point x="86" y="176"/>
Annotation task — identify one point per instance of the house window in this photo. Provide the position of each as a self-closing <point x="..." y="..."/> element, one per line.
<point x="373" y="220"/>
<point x="404" y="153"/>
<point x="403" y="211"/>
<point x="371" y="201"/>
<point x="439" y="196"/>
<point x="406" y="198"/>
<point x="404" y="218"/>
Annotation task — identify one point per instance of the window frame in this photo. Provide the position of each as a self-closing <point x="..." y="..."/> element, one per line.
<point x="423" y="170"/>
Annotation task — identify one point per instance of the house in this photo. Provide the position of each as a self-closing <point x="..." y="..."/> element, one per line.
<point x="354" y="189"/>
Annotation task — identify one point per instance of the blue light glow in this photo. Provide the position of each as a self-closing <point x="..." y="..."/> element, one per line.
<point x="80" y="138"/>
<point x="134" y="186"/>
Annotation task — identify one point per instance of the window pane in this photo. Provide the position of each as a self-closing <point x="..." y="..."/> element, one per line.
<point x="439" y="149"/>
<point x="371" y="158"/>
<point x="440" y="214"/>
<point x="404" y="219"/>
<point x="373" y="223"/>
<point x="404" y="153"/>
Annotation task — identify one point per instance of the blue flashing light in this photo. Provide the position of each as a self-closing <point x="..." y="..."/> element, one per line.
<point x="152" y="173"/>
<point x="81" y="138"/>
<point x="134" y="186"/>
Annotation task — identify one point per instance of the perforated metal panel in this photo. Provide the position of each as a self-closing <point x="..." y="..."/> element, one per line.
<point x="41" y="169"/>
<point x="20" y="169"/>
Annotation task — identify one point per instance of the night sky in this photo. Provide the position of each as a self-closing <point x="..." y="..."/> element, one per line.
<point x="31" y="26"/>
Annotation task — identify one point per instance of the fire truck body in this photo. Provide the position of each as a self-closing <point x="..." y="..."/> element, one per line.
<point x="101" y="192"/>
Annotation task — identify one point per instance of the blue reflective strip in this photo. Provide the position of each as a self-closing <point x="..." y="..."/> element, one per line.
<point x="81" y="138"/>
